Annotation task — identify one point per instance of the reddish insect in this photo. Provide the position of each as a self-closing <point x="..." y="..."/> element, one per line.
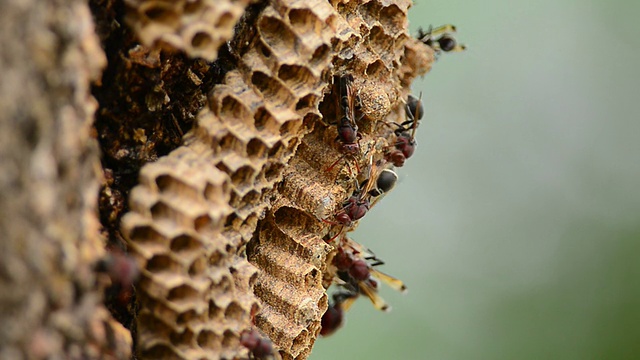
<point x="356" y="206"/>
<point x="405" y="143"/>
<point x="359" y="203"/>
<point x="121" y="268"/>
<point x="357" y="275"/>
<point x="348" y="137"/>
<point x="357" y="268"/>
<point x="333" y="318"/>
<point x="122" y="272"/>
<point x="258" y="346"/>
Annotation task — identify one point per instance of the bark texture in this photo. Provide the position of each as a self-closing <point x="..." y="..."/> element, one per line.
<point x="50" y="305"/>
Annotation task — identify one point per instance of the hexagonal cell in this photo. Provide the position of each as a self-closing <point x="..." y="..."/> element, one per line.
<point x="277" y="36"/>
<point x="163" y="263"/>
<point x="309" y="121"/>
<point x="146" y="234"/>
<point x="216" y="193"/>
<point x="215" y="258"/>
<point x="393" y="19"/>
<point x="198" y="267"/>
<point x="307" y="102"/>
<point x="264" y="120"/>
<point x="290" y="128"/>
<point x="305" y="21"/>
<point x="231" y="143"/>
<point x="276" y="150"/>
<point x="273" y="90"/>
<point x="377" y="69"/>
<point x="215" y="312"/>
<point x="222" y="285"/>
<point x="298" y="78"/>
<point x="191" y="7"/>
<point x="200" y="41"/>
<point x="234" y="201"/>
<point x="232" y="218"/>
<point x="243" y="176"/>
<point x="222" y="167"/>
<point x="292" y="145"/>
<point x="256" y="149"/>
<point x="171" y="185"/>
<point x="251" y="197"/>
<point x="207" y="226"/>
<point x="230" y="339"/>
<point x="162" y="211"/>
<point x="226" y="20"/>
<point x="182" y="337"/>
<point x="320" y="56"/>
<point x="185" y="244"/>
<point x="382" y="44"/>
<point x="252" y="219"/>
<point x="370" y="12"/>
<point x="233" y="112"/>
<point x="273" y="171"/>
<point x="160" y="351"/>
<point x="208" y="340"/>
<point x="160" y="12"/>
<point x="234" y="312"/>
<point x="160" y="328"/>
<point x="183" y="293"/>
<point x="186" y="317"/>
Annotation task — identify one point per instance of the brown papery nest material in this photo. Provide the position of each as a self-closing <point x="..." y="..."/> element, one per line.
<point x="214" y="121"/>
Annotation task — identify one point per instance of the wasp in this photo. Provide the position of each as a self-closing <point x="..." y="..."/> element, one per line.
<point x="358" y="204"/>
<point x="405" y="143"/>
<point x="359" y="276"/>
<point x="333" y="318"/>
<point x="348" y="137"/>
<point x="386" y="180"/>
<point x="441" y="39"/>
<point x="259" y="347"/>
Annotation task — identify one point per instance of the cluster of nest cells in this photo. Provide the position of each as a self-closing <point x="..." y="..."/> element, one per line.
<point x="197" y="27"/>
<point x="238" y="233"/>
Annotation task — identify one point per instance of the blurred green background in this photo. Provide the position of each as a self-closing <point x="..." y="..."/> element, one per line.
<point x="516" y="225"/>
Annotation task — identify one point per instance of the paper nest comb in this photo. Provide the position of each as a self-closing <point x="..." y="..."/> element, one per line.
<point x="197" y="27"/>
<point x="251" y="174"/>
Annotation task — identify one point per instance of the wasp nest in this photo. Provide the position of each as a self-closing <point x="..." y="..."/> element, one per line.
<point x="228" y="228"/>
<point x="198" y="27"/>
